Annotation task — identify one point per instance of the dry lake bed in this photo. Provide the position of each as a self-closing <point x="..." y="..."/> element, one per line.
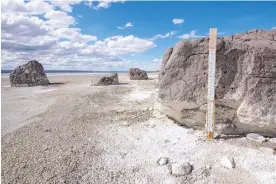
<point x="72" y="132"/>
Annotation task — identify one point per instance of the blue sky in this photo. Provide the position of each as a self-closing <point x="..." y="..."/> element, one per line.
<point x="117" y="35"/>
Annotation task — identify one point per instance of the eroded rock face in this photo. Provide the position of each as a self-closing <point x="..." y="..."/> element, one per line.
<point x="137" y="74"/>
<point x="30" y="74"/>
<point x="245" y="83"/>
<point x="109" y="80"/>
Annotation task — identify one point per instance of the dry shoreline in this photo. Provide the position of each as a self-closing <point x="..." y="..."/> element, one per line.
<point x="71" y="132"/>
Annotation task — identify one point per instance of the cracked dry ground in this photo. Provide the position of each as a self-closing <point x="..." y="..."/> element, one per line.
<point x="65" y="144"/>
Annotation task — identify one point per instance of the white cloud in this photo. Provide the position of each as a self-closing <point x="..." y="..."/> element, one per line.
<point x="31" y="7"/>
<point x="65" y="5"/>
<point x="52" y="38"/>
<point x="73" y="34"/>
<point x="273" y="28"/>
<point x="190" y="35"/>
<point x="101" y="4"/>
<point x="119" y="45"/>
<point x="160" y="36"/>
<point x="156" y="60"/>
<point x="129" y="24"/>
<point x="177" y="21"/>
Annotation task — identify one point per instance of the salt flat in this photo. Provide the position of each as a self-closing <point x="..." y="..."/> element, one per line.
<point x="71" y="132"/>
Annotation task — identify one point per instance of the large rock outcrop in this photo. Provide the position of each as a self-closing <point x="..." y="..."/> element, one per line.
<point x="30" y="74"/>
<point x="109" y="80"/>
<point x="245" y="91"/>
<point x="137" y="74"/>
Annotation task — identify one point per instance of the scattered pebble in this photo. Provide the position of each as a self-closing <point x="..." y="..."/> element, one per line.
<point x="255" y="137"/>
<point x="167" y="141"/>
<point x="243" y="139"/>
<point x="152" y="125"/>
<point x="181" y="169"/>
<point x="216" y="135"/>
<point x="208" y="166"/>
<point x="61" y="180"/>
<point x="267" y="150"/>
<point x="273" y="140"/>
<point x="124" y="123"/>
<point x="228" y="162"/>
<point x="133" y="117"/>
<point x="151" y="109"/>
<point x="120" y="110"/>
<point x="45" y="147"/>
<point x="190" y="131"/>
<point x="163" y="161"/>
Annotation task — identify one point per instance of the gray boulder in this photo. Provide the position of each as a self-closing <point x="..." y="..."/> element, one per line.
<point x="30" y="74"/>
<point x="245" y="86"/>
<point x="137" y="74"/>
<point x="109" y="80"/>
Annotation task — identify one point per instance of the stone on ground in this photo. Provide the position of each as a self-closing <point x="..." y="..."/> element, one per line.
<point x="227" y="162"/>
<point x="163" y="161"/>
<point x="109" y="80"/>
<point x="273" y="140"/>
<point x="255" y="137"/>
<point x="267" y="150"/>
<point x="181" y="169"/>
<point x="120" y="110"/>
<point x="137" y="74"/>
<point x="29" y="74"/>
<point x="125" y="123"/>
<point x="245" y="83"/>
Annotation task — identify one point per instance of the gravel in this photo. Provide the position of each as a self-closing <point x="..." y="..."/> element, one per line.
<point x="78" y="137"/>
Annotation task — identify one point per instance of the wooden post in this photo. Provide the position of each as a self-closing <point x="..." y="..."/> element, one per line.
<point x="210" y="118"/>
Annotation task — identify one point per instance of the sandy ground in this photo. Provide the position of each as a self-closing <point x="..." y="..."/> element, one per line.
<point x="71" y="132"/>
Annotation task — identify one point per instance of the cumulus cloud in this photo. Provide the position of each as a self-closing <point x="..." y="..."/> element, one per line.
<point x="156" y="60"/>
<point x="101" y="4"/>
<point x="177" y="21"/>
<point x="190" y="35"/>
<point x="119" y="45"/>
<point x="273" y="28"/>
<point x="65" y="5"/>
<point x="129" y="24"/>
<point x="74" y="35"/>
<point x="160" y="36"/>
<point x="50" y="35"/>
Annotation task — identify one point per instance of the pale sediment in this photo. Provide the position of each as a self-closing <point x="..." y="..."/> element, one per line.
<point x="113" y="134"/>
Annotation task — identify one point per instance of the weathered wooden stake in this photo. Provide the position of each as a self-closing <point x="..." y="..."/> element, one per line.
<point x="210" y="118"/>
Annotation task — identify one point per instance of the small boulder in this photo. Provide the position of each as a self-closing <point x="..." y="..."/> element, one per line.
<point x="29" y="74"/>
<point x="227" y="162"/>
<point x="137" y="74"/>
<point x="255" y="137"/>
<point x="163" y="161"/>
<point x="109" y="80"/>
<point x="181" y="169"/>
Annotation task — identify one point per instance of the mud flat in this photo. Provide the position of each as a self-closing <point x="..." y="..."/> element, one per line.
<point x="71" y="132"/>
